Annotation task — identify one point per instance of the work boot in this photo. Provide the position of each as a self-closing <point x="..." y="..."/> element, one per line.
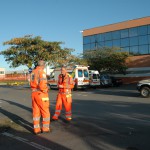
<point x="46" y="130"/>
<point x="37" y="133"/>
<point x="54" y="118"/>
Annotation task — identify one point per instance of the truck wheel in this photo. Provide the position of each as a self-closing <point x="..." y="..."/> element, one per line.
<point x="145" y="91"/>
<point x="75" y="87"/>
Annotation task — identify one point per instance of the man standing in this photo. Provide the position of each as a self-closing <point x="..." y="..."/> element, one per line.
<point x="65" y="84"/>
<point x="40" y="99"/>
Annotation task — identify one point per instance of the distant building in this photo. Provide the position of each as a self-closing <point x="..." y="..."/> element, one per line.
<point x="132" y="36"/>
<point x="2" y="72"/>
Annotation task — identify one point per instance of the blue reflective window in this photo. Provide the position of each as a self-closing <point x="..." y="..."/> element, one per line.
<point x="143" y="49"/>
<point x="116" y="43"/>
<point x="149" y="39"/>
<point x="80" y="73"/>
<point x="148" y="29"/>
<point x="142" y="30"/>
<point x="108" y="43"/>
<point x="133" y="32"/>
<point x="101" y="37"/>
<point x="149" y="49"/>
<point x="86" y="73"/>
<point x="93" y="46"/>
<point x="86" y="39"/>
<point x="124" y="33"/>
<point x="133" y="41"/>
<point x="108" y="36"/>
<point x="125" y="42"/>
<point x="116" y="35"/>
<point x="86" y="47"/>
<point x="134" y="50"/>
<point x="101" y="44"/>
<point x="125" y="49"/>
<point x="93" y="38"/>
<point x="143" y="40"/>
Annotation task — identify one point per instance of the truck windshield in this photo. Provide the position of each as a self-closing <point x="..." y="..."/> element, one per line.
<point x="80" y="73"/>
<point x="86" y="73"/>
<point x="96" y="76"/>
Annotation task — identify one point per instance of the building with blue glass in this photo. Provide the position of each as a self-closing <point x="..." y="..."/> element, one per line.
<point x="131" y="36"/>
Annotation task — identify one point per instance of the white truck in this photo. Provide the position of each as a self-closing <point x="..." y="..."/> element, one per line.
<point x="94" y="78"/>
<point x="79" y="73"/>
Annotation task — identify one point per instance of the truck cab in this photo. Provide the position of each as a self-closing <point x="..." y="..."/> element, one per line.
<point x="79" y="74"/>
<point x="94" y="78"/>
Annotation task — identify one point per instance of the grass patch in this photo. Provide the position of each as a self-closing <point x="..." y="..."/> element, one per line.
<point x="8" y="124"/>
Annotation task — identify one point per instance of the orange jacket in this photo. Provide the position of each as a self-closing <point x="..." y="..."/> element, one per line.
<point x="66" y="81"/>
<point x="38" y="80"/>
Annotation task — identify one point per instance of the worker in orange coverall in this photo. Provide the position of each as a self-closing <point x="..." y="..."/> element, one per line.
<point x="40" y="99"/>
<point x="65" y="84"/>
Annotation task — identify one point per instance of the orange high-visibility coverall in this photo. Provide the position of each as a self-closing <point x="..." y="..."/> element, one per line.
<point x="40" y="100"/>
<point x="64" y="96"/>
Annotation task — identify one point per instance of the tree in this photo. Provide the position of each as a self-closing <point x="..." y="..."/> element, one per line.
<point x="111" y="60"/>
<point x="29" y="50"/>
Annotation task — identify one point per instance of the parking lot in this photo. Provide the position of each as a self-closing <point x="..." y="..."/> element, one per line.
<point x="115" y="118"/>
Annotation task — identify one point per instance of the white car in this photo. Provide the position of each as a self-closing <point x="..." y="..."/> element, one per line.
<point x="144" y="87"/>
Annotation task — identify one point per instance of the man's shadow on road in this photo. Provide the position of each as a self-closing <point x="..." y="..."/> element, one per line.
<point x="16" y="118"/>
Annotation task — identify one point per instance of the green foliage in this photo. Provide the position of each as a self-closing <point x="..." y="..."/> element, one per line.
<point x="111" y="60"/>
<point x="29" y="50"/>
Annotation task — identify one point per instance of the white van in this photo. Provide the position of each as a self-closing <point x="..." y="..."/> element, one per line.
<point x="94" y="78"/>
<point x="79" y="73"/>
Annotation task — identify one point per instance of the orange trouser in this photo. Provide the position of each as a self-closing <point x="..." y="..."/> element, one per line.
<point x="67" y="102"/>
<point x="40" y="106"/>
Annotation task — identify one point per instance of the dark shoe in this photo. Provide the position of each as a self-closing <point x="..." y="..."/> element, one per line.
<point x="37" y="133"/>
<point x="53" y="119"/>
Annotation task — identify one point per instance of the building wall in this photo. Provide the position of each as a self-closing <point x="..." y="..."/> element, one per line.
<point x="136" y="44"/>
<point x="117" y="26"/>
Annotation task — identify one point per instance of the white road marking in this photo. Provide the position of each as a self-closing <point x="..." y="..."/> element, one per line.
<point x="26" y="141"/>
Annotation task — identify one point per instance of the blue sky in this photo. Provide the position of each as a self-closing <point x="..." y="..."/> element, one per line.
<point x="62" y="20"/>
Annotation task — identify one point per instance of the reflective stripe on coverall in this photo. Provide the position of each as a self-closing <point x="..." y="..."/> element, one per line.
<point x="64" y="96"/>
<point x="40" y="100"/>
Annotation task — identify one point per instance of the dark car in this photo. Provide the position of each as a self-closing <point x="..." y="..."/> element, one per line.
<point x="144" y="87"/>
<point x="116" y="81"/>
<point x="105" y="80"/>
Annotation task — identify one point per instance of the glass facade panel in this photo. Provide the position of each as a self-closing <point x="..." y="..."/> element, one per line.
<point x="142" y="30"/>
<point x="108" y="36"/>
<point x="116" y="43"/>
<point x="148" y="29"/>
<point x="125" y="42"/>
<point x="101" y="37"/>
<point x="108" y="43"/>
<point x="133" y="41"/>
<point x="134" y="50"/>
<point x="101" y="44"/>
<point x="149" y="39"/>
<point x="86" y="39"/>
<point x="133" y="32"/>
<point x="93" y="38"/>
<point x="116" y="35"/>
<point x="125" y="49"/>
<point x="143" y="39"/>
<point x="143" y="49"/>
<point x="93" y="46"/>
<point x="124" y="33"/>
<point x="86" y="47"/>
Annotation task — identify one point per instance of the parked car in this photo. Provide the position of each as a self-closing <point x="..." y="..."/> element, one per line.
<point x="105" y="80"/>
<point x="116" y="81"/>
<point x="144" y="87"/>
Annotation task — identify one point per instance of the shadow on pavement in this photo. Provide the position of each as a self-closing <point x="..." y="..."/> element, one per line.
<point x="16" y="140"/>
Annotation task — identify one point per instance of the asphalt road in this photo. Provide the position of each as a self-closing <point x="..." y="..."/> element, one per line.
<point x="103" y="119"/>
